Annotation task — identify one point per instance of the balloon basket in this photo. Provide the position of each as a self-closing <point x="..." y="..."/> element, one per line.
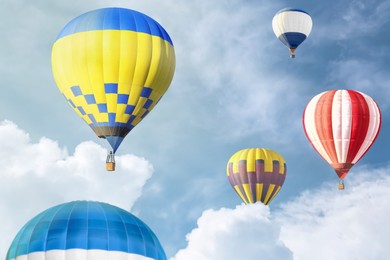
<point x="110" y="162"/>
<point x="341" y="186"/>
<point x="110" y="166"/>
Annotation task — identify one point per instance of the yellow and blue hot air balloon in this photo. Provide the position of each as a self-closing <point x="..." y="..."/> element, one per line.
<point x="256" y="174"/>
<point x="85" y="230"/>
<point x="113" y="65"/>
<point x="292" y="26"/>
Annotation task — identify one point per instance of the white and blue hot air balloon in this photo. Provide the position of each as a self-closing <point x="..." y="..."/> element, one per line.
<point x="292" y="26"/>
<point x="85" y="230"/>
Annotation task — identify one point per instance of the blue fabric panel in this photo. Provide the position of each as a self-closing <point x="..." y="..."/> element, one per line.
<point x="38" y="235"/>
<point x="71" y="103"/>
<point x="111" y="88"/>
<point x="131" y="119"/>
<point x="76" y="90"/>
<point x="129" y="109"/>
<point x="148" y="103"/>
<point x="145" y="114"/>
<point x="114" y="19"/>
<point x="292" y="39"/>
<point x="81" y="109"/>
<point x="146" y="92"/>
<point x="91" y="116"/>
<point x="97" y="238"/>
<point x="114" y="141"/>
<point x="86" y="225"/>
<point x="111" y="118"/>
<point x="56" y="236"/>
<point x="90" y="99"/>
<point x="122" y="98"/>
<point x="102" y="108"/>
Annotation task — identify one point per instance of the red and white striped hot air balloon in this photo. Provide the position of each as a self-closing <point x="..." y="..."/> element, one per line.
<point x="342" y="125"/>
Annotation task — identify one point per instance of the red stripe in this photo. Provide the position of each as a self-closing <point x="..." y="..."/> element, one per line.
<point x="323" y="123"/>
<point x="360" y="123"/>
<point x="378" y="130"/>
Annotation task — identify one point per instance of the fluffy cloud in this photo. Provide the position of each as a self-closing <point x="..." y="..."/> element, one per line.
<point x="328" y="224"/>
<point x="245" y="232"/>
<point x="319" y="224"/>
<point x="35" y="176"/>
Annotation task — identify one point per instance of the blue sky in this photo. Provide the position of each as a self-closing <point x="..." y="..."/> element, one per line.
<point x="234" y="87"/>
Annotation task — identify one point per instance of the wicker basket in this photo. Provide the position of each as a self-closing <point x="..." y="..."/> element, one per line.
<point x="110" y="166"/>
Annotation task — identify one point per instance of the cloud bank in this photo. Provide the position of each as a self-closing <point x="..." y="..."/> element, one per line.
<point x="245" y="232"/>
<point x="319" y="224"/>
<point x="39" y="175"/>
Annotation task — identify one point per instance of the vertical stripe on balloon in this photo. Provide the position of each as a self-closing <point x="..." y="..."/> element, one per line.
<point x="342" y="125"/>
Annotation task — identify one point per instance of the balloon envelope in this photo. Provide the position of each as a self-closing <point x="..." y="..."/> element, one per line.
<point x="292" y="26"/>
<point x="113" y="65"/>
<point x="256" y="174"/>
<point x="342" y="125"/>
<point x="85" y="230"/>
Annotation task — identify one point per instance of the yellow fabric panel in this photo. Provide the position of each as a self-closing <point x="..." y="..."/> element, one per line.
<point x="137" y="120"/>
<point x="259" y="191"/>
<point x="164" y="55"/>
<point x="227" y="168"/>
<point x="80" y="102"/>
<point x="111" y="102"/>
<point x="144" y="57"/>
<point x="267" y="157"/>
<point x="248" y="193"/>
<point x="130" y="59"/>
<point x="59" y="73"/>
<point x="111" y="55"/>
<point x="155" y="59"/>
<point x="92" y="61"/>
<point x="121" y="117"/>
<point x="101" y="117"/>
<point x="79" y="63"/>
<point x="240" y="194"/>
<point x="135" y="92"/>
<point x="276" y="193"/>
<point x="169" y="55"/>
<point x="234" y="160"/>
<point x="252" y="154"/>
<point x="154" y="96"/>
<point x="251" y="160"/>
<point x="268" y="195"/>
<point x="282" y="163"/>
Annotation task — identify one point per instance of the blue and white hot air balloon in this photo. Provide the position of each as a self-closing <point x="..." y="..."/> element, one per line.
<point x="85" y="230"/>
<point x="292" y="26"/>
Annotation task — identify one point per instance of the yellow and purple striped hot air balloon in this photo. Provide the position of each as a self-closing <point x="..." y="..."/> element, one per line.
<point x="256" y="174"/>
<point x="113" y="65"/>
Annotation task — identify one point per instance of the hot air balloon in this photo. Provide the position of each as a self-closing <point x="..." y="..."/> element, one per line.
<point x="342" y="125"/>
<point x="256" y="174"/>
<point x="113" y="65"/>
<point x="85" y="230"/>
<point x="292" y="26"/>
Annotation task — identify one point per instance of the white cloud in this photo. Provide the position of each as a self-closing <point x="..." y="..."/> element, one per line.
<point x="328" y="224"/>
<point x="36" y="176"/>
<point x="245" y="232"/>
<point x="319" y="224"/>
